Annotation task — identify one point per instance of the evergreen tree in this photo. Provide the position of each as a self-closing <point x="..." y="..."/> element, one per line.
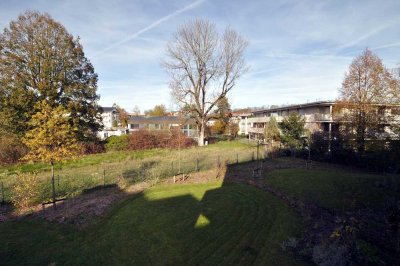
<point x="293" y="130"/>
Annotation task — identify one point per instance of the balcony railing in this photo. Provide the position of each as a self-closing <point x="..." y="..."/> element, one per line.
<point x="256" y="130"/>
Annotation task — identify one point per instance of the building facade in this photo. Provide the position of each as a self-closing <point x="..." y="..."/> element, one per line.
<point x="242" y="120"/>
<point x="109" y="118"/>
<point x="187" y="126"/>
<point x="318" y="117"/>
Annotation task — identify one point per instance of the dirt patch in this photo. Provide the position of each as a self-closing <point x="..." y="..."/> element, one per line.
<point x="81" y="210"/>
<point x="198" y="177"/>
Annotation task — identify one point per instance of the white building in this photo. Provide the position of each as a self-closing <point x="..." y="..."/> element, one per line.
<point x="318" y="117"/>
<point x="109" y="117"/>
<point x="242" y="120"/>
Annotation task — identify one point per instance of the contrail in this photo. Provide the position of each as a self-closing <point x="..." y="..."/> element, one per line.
<point x="152" y="25"/>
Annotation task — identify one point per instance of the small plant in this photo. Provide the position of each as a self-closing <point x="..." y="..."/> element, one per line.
<point x="26" y="190"/>
<point x="220" y="168"/>
<point x="121" y="181"/>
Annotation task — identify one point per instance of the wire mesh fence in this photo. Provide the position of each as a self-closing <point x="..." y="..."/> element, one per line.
<point x="72" y="181"/>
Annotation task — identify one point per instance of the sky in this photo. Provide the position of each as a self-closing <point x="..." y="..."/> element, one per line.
<point x="298" y="51"/>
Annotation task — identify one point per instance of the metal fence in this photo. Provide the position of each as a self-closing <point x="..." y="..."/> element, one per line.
<point x="70" y="182"/>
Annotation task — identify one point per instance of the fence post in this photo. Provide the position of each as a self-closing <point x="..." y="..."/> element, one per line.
<point x="104" y="178"/>
<point x="2" y="192"/>
<point x="172" y="167"/>
<point x="53" y="192"/>
<point x="258" y="147"/>
<point x="252" y="156"/>
<point x="237" y="158"/>
<point x="58" y="185"/>
<point x="197" y="165"/>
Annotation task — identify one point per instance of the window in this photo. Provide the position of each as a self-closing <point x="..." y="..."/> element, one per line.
<point x="134" y="126"/>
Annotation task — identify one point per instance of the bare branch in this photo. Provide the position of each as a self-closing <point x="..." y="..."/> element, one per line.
<point x="204" y="66"/>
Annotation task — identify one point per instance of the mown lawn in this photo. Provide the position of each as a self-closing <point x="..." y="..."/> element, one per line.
<point x="336" y="189"/>
<point x="204" y="224"/>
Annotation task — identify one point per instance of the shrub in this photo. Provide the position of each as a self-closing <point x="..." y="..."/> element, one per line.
<point x="11" y="149"/>
<point x="117" y="143"/>
<point x="26" y="190"/>
<point x="146" y="139"/>
<point x="92" y="147"/>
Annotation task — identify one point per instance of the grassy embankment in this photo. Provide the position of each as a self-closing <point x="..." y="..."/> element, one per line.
<point x="91" y="171"/>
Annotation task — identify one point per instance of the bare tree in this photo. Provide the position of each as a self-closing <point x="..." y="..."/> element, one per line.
<point x="203" y="66"/>
<point x="136" y="110"/>
<point x="367" y="89"/>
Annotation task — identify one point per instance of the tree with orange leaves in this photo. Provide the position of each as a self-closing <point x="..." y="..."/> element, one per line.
<point x="367" y="90"/>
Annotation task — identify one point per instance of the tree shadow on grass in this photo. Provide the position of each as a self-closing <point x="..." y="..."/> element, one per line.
<point x="191" y="224"/>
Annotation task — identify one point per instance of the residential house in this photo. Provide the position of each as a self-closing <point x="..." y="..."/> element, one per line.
<point x="109" y="118"/>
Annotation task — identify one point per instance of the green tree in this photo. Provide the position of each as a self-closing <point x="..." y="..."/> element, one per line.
<point x="272" y="132"/>
<point x="293" y="130"/>
<point x="158" y="110"/>
<point x="51" y="138"/>
<point x="40" y="60"/>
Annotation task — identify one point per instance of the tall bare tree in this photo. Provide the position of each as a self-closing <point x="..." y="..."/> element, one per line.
<point x="204" y="66"/>
<point x="367" y="87"/>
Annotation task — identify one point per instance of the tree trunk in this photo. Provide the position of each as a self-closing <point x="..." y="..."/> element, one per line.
<point x="201" y="134"/>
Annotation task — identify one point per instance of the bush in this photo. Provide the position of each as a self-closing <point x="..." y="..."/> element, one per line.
<point x="117" y="143"/>
<point x="11" y="149"/>
<point x="26" y="190"/>
<point x="146" y="139"/>
<point x="92" y="147"/>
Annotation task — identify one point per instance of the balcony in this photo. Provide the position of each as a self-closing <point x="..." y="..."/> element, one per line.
<point x="256" y="130"/>
<point x="319" y="118"/>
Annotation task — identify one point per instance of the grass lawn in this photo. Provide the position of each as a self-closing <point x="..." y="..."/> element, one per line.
<point x="177" y="225"/>
<point x="336" y="189"/>
<point x="88" y="171"/>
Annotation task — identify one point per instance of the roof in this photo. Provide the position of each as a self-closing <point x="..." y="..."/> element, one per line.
<point x="159" y="120"/>
<point x="313" y="104"/>
<point x="235" y="114"/>
<point x="296" y="106"/>
<point x="107" y="109"/>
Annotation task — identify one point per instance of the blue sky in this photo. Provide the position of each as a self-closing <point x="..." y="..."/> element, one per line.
<point x="298" y="50"/>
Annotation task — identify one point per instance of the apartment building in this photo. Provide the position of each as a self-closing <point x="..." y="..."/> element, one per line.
<point x="318" y="117"/>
